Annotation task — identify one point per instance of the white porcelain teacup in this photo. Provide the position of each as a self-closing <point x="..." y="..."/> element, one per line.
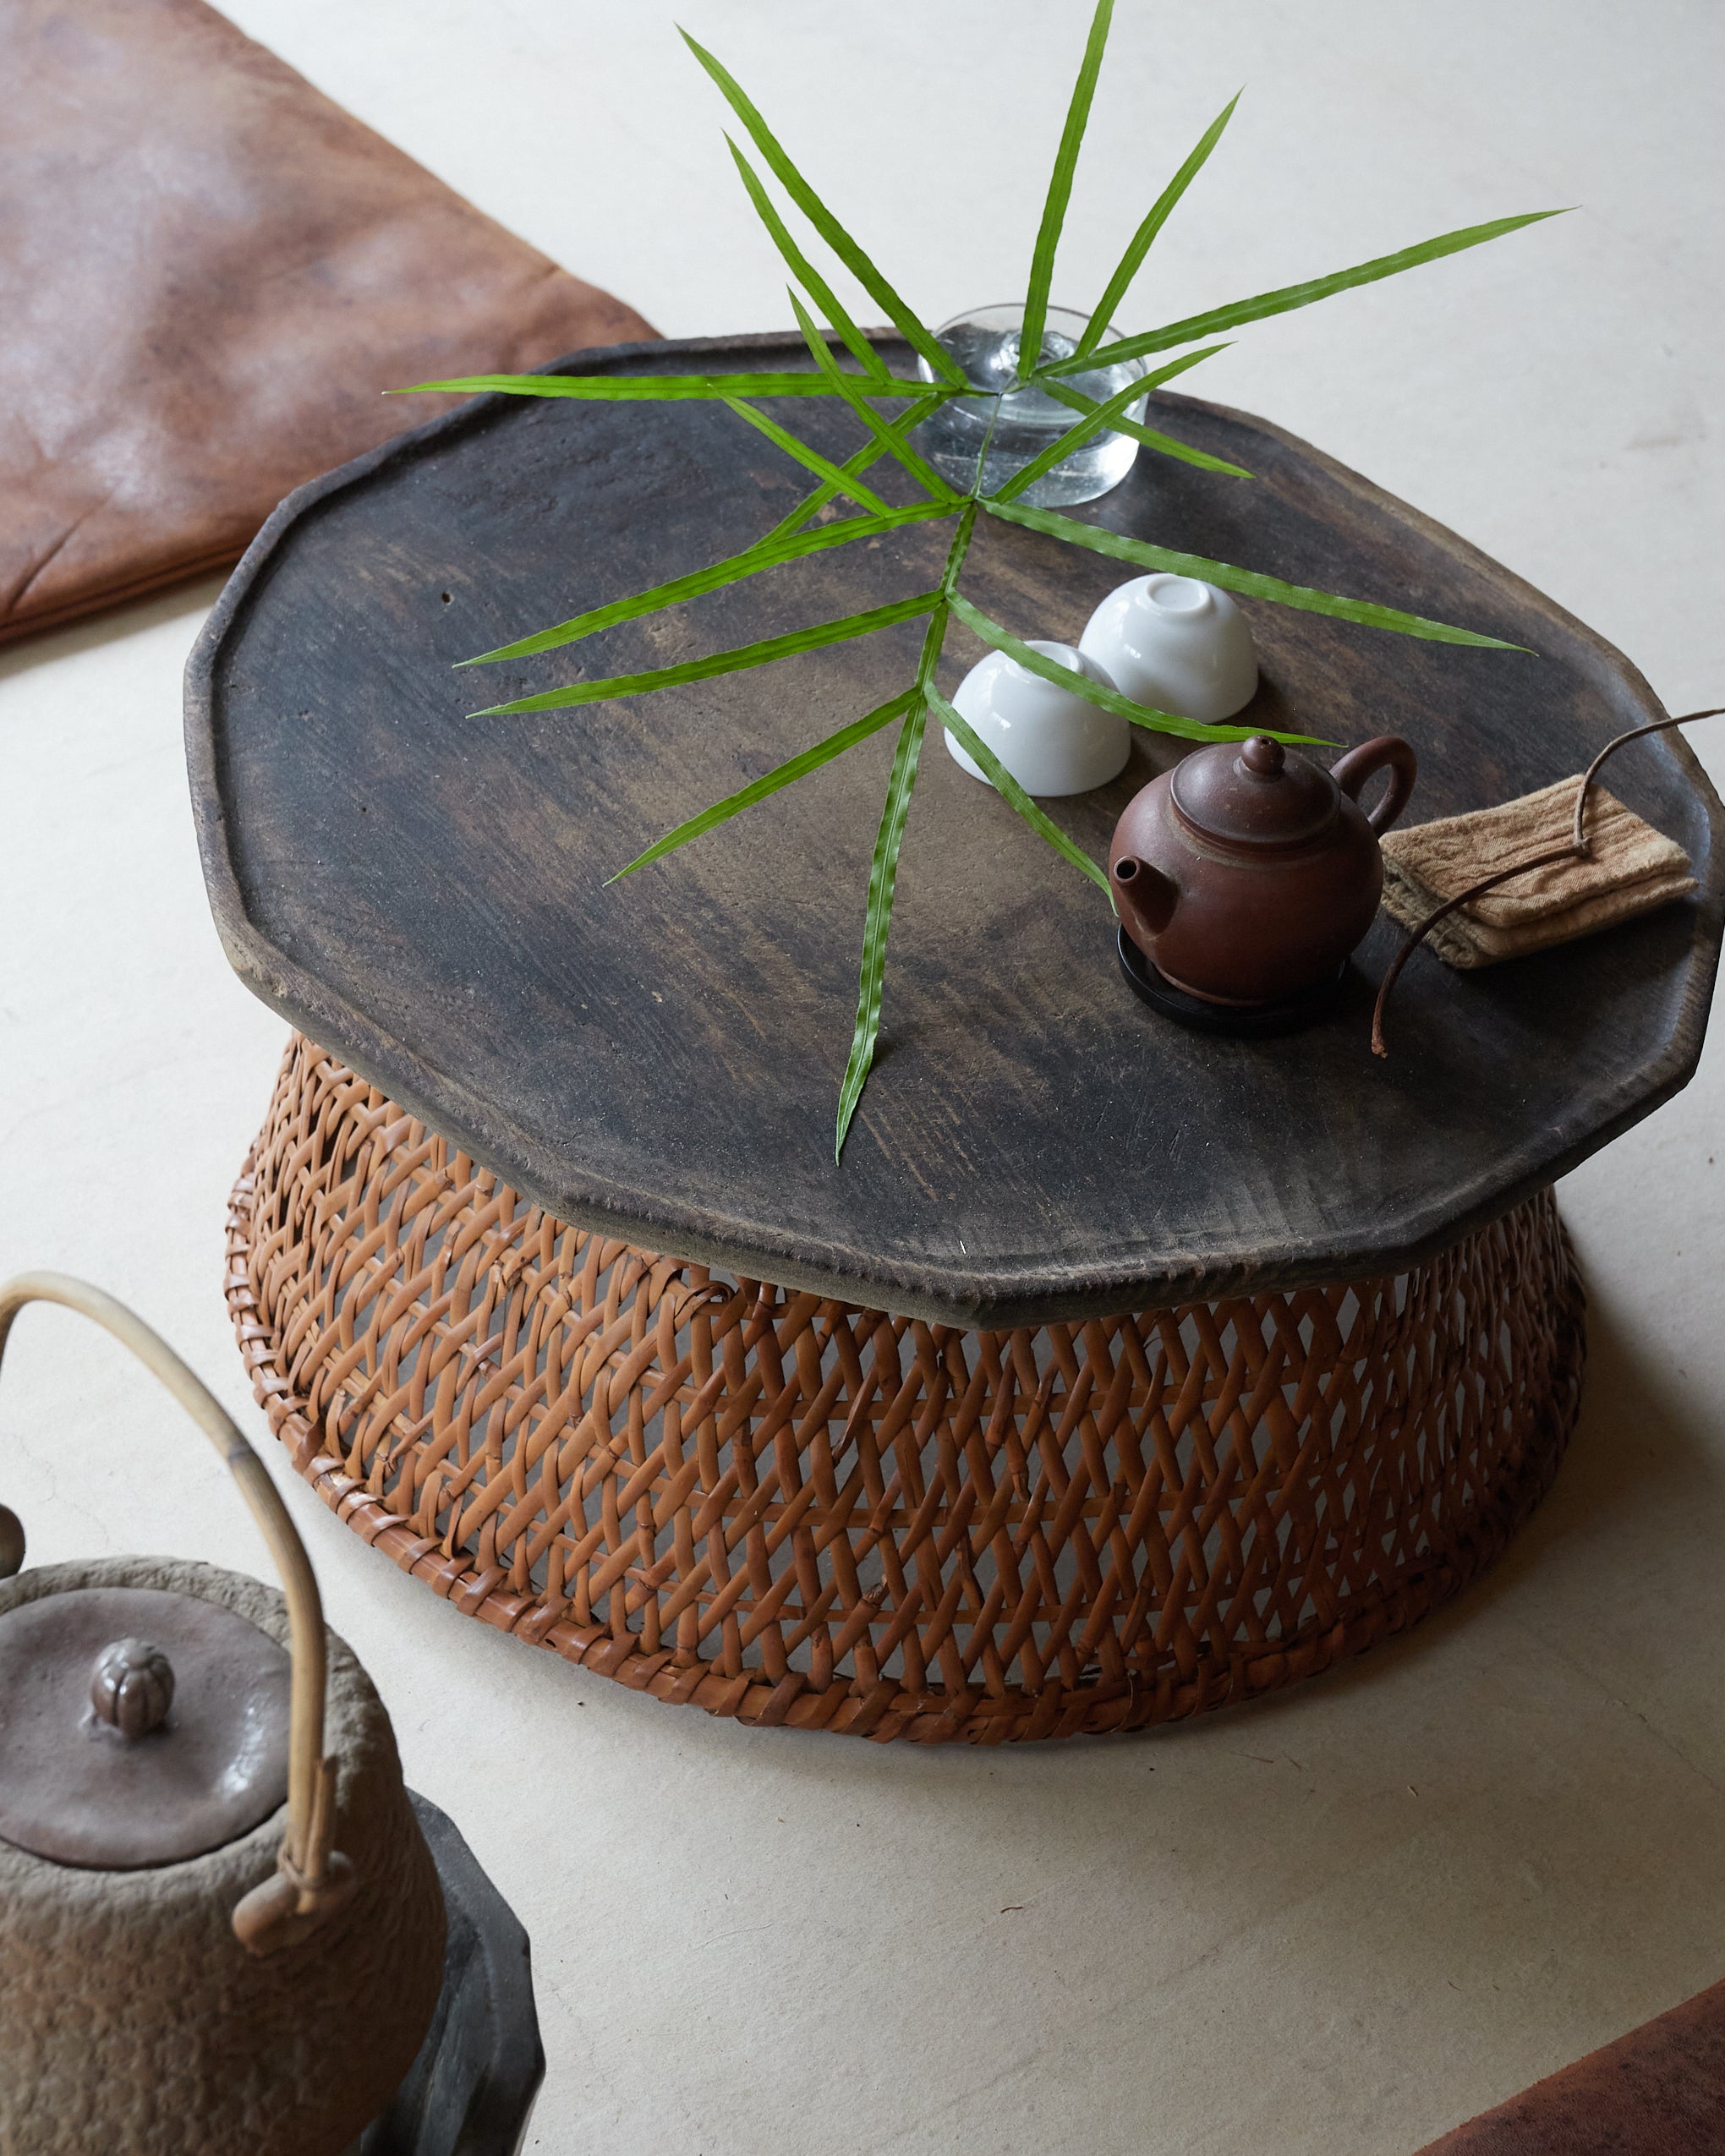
<point x="1175" y="644"/>
<point x="1049" y="738"/>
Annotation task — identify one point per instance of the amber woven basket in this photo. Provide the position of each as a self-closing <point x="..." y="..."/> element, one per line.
<point x="798" y="1511"/>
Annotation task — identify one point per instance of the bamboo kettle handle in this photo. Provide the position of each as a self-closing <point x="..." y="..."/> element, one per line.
<point x="312" y="1880"/>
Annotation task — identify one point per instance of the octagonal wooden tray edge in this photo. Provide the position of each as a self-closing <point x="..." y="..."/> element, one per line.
<point x="1004" y="1294"/>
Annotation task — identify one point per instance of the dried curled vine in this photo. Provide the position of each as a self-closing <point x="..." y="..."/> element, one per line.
<point x="1577" y="849"/>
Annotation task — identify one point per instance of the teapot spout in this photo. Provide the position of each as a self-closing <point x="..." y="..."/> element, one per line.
<point x="1145" y="897"/>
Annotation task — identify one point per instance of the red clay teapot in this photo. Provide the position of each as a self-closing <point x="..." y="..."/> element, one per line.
<point x="1247" y="873"/>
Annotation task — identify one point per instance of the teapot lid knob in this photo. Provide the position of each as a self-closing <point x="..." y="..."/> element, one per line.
<point x="131" y="1687"/>
<point x="1264" y="757"/>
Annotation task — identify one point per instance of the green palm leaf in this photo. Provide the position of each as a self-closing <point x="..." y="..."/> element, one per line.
<point x="893" y="444"/>
<point x="914" y="333"/>
<point x="877" y="920"/>
<point x="1164" y="445"/>
<point x="1297" y="295"/>
<point x="770" y="782"/>
<point x="1109" y="413"/>
<point x="870" y="454"/>
<point x="655" y="389"/>
<point x="1141" y="714"/>
<point x="810" y="459"/>
<point x="916" y="400"/>
<point x="1005" y="785"/>
<point x="883" y="872"/>
<point x="766" y="554"/>
<point x="1133" y="259"/>
<point x="1053" y="216"/>
<point x="721" y="662"/>
<point x="805" y="272"/>
<point x="1365" y="611"/>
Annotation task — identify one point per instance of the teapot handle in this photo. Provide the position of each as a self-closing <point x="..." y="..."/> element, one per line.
<point x="1359" y="765"/>
<point x="312" y="1880"/>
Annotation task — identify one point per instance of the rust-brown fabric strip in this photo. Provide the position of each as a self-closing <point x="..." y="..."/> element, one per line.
<point x="209" y="273"/>
<point x="1659" y="2091"/>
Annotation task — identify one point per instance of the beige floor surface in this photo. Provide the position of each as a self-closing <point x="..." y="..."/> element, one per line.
<point x="1339" y="1921"/>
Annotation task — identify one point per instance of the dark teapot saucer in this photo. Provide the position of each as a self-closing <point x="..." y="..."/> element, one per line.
<point x="1261" y="1021"/>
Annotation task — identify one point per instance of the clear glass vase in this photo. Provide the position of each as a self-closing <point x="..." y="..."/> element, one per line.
<point x="984" y="341"/>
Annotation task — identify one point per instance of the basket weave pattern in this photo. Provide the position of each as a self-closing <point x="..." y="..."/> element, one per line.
<point x="798" y="1512"/>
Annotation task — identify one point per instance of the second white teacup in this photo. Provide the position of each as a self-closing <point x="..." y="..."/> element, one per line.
<point x="1175" y="644"/>
<point x="1049" y="738"/>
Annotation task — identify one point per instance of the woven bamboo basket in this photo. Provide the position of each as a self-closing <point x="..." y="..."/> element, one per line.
<point x="801" y="1513"/>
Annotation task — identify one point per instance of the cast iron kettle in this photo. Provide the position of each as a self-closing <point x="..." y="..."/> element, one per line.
<point x="220" y="1926"/>
<point x="1246" y="874"/>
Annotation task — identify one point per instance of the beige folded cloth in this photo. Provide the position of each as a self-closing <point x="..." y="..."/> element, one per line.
<point x="1629" y="868"/>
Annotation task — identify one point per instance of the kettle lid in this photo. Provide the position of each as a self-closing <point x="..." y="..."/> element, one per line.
<point x="143" y="1727"/>
<point x="1253" y="793"/>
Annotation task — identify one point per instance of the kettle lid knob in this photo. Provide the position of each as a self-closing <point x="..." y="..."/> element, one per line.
<point x="131" y="1687"/>
<point x="1263" y="757"/>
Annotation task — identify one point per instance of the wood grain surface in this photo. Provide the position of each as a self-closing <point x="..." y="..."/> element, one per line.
<point x="424" y="892"/>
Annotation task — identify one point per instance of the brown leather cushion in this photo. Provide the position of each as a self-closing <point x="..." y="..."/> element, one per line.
<point x="208" y="275"/>
<point x="1659" y="2091"/>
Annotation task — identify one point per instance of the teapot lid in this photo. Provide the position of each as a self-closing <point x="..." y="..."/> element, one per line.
<point x="1253" y="793"/>
<point x="142" y="1727"/>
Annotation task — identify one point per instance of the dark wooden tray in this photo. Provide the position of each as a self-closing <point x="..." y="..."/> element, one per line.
<point x="422" y="892"/>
